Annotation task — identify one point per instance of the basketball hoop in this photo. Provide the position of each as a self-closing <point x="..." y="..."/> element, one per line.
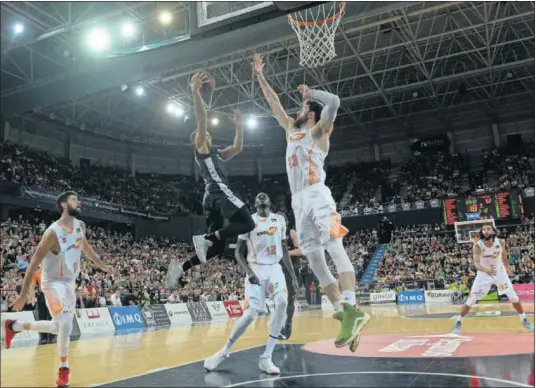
<point x="315" y="28"/>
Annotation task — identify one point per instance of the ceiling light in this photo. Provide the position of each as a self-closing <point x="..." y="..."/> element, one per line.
<point x="165" y="18"/>
<point x="251" y="122"/>
<point x="140" y="91"/>
<point x="128" y="30"/>
<point x="171" y="108"/>
<point x="18" y="28"/>
<point x="215" y="121"/>
<point x="99" y="39"/>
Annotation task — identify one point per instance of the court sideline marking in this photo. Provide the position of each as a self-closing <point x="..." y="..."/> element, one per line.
<point x="166" y="368"/>
<point x="380" y="373"/>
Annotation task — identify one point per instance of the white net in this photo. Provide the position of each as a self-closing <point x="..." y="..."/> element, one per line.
<point x="316" y="28"/>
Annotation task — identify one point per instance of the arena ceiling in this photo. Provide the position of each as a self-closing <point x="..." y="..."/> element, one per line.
<point x="444" y="61"/>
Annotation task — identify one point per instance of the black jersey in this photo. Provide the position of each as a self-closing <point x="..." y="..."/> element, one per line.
<point x="212" y="170"/>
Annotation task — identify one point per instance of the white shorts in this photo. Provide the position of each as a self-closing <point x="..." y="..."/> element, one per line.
<point x="317" y="220"/>
<point x="271" y="281"/>
<point x="483" y="283"/>
<point x="59" y="296"/>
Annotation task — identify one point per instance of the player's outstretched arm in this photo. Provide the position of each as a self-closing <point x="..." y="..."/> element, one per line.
<point x="200" y="111"/>
<point x="331" y="104"/>
<point x="238" y="143"/>
<point x="90" y="253"/>
<point x="271" y="97"/>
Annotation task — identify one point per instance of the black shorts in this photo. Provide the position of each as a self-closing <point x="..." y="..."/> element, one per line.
<point x="219" y="202"/>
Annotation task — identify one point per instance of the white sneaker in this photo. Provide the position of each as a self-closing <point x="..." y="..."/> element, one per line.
<point x="201" y="246"/>
<point x="214" y="361"/>
<point x="267" y="366"/>
<point x="173" y="275"/>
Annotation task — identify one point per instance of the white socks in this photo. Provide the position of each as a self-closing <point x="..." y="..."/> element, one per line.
<point x="270" y="346"/>
<point x="64" y="364"/>
<point x="338" y="306"/>
<point x="459" y="318"/>
<point x="522" y="317"/>
<point x="349" y="297"/>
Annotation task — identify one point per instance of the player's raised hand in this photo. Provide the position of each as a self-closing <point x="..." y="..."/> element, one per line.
<point x="198" y="80"/>
<point x="304" y="91"/>
<point x="258" y="64"/>
<point x="238" y="117"/>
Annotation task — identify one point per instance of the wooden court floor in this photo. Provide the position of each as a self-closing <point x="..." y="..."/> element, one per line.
<point x="100" y="360"/>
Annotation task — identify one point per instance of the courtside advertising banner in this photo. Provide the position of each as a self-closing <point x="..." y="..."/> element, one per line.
<point x="26" y="337"/>
<point x="198" y="311"/>
<point x="92" y="321"/>
<point x="178" y="313"/>
<point x="217" y="311"/>
<point x="364" y="298"/>
<point x="438" y="296"/>
<point x="126" y="317"/>
<point x="234" y="310"/>
<point x="525" y="292"/>
<point x="382" y="297"/>
<point x="155" y="315"/>
<point x="410" y="297"/>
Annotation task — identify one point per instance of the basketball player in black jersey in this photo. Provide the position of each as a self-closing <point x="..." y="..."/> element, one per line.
<point x="291" y="280"/>
<point x="220" y="203"/>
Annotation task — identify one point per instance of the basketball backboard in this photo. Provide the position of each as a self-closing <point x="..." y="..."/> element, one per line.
<point x="209" y="18"/>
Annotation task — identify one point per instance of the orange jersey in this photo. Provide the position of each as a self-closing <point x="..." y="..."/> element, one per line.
<point x="37" y="280"/>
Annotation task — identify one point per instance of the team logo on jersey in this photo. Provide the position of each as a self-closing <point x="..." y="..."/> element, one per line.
<point x="297" y="136"/>
<point x="64" y="239"/>
<point x="78" y="243"/>
<point x="272" y="230"/>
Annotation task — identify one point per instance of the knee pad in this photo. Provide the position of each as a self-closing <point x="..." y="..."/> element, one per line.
<point x="339" y="256"/>
<point x="512" y="296"/>
<point x="317" y="262"/>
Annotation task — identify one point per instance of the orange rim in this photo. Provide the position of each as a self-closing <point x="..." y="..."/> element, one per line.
<point x="298" y="23"/>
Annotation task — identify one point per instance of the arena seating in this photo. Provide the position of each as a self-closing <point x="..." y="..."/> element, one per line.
<point x="140" y="267"/>
<point x="427" y="253"/>
<point x="355" y="187"/>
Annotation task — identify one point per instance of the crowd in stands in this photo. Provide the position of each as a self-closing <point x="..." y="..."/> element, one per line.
<point x="140" y="267"/>
<point x="359" y="187"/>
<point x="425" y="253"/>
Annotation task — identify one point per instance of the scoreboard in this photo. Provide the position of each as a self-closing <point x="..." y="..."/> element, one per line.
<point x="503" y="205"/>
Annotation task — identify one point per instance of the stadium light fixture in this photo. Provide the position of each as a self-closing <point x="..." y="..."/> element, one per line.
<point x="251" y="123"/>
<point x="165" y="18"/>
<point x="99" y="40"/>
<point x="215" y="121"/>
<point x="18" y="28"/>
<point x="140" y="91"/>
<point x="127" y="30"/>
<point x="179" y="111"/>
<point x="170" y="107"/>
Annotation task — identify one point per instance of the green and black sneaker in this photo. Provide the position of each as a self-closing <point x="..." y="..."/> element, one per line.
<point x="352" y="323"/>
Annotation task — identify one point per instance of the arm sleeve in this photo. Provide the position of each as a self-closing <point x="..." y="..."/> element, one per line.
<point x="331" y="104"/>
